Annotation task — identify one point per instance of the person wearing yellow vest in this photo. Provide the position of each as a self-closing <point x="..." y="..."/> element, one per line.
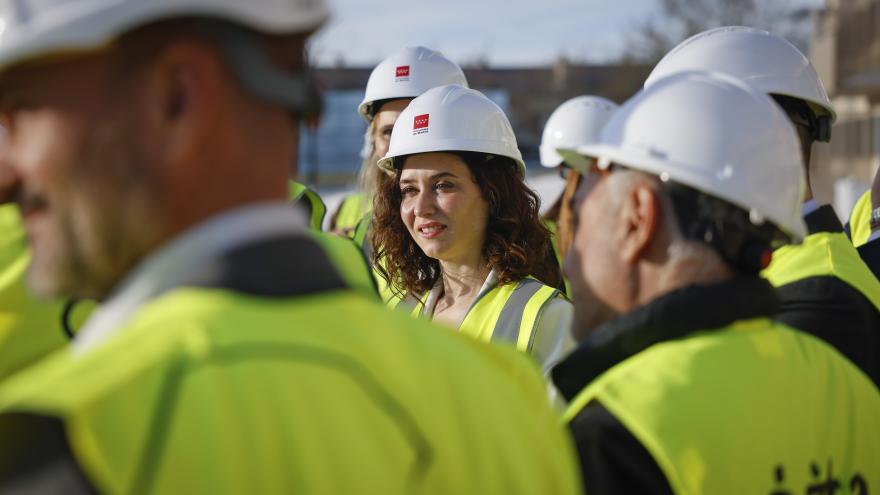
<point x="392" y="85"/>
<point x="351" y="210"/>
<point x="458" y="230"/>
<point x="858" y="227"/>
<point x="576" y="121"/>
<point x="682" y="381"/>
<point x="228" y="355"/>
<point x="863" y="227"/>
<point x="345" y="254"/>
<point x="826" y="289"/>
<point x="361" y="239"/>
<point x="348" y="259"/>
<point x="308" y="200"/>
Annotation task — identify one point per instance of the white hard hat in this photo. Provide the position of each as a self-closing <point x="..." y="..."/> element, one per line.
<point x="715" y="134"/>
<point x="32" y="28"/>
<point x="407" y="74"/>
<point x="577" y="121"/>
<point x="452" y="118"/>
<point x="766" y="61"/>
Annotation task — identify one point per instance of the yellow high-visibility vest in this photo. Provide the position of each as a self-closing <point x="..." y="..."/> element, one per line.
<point x="507" y="313"/>
<point x="756" y="407"/>
<point x="346" y="256"/>
<point x="860" y="220"/>
<point x="352" y="209"/>
<point x="360" y="237"/>
<point x="316" y="207"/>
<point x="823" y="254"/>
<point x="213" y="391"/>
<point x="552" y="227"/>
<point x="29" y="327"/>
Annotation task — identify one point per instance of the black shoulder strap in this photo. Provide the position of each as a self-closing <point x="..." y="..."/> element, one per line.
<point x="824" y="219"/>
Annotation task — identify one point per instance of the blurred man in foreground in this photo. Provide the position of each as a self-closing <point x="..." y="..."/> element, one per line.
<point x="148" y="149"/>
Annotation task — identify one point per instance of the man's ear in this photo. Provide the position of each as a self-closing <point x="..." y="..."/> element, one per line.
<point x="184" y="83"/>
<point x="640" y="216"/>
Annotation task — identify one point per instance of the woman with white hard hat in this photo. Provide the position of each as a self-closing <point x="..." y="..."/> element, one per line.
<point x="391" y="86"/>
<point x="459" y="230"/>
<point x="576" y="122"/>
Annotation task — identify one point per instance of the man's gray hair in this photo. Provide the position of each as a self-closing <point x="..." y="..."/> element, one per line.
<point x="686" y="257"/>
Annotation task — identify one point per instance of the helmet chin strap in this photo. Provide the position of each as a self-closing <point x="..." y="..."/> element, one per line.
<point x="263" y="79"/>
<point x="822" y="129"/>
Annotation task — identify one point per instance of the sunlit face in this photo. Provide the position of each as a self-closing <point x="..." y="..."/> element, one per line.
<point x="442" y="207"/>
<point x="591" y="264"/>
<point x="84" y="191"/>
<point x="383" y="124"/>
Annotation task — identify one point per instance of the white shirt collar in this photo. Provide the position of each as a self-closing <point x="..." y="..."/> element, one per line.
<point x="809" y="206"/>
<point x="187" y="253"/>
<point x="435" y="293"/>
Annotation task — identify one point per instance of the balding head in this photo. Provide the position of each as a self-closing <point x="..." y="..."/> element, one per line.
<point x="628" y="248"/>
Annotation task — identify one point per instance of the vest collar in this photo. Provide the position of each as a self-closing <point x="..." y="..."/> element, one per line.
<point x="261" y="250"/>
<point x="670" y="316"/>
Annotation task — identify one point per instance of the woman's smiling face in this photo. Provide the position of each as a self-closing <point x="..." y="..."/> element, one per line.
<point x="442" y="207"/>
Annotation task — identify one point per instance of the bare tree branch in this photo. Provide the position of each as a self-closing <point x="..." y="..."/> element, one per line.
<point x="680" y="19"/>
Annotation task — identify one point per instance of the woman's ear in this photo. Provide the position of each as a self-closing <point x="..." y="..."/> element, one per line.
<point x="640" y="216"/>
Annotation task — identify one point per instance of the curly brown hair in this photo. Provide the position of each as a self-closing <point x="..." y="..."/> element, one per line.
<point x="517" y="242"/>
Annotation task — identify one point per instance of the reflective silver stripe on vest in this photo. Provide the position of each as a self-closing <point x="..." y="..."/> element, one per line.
<point x="507" y="326"/>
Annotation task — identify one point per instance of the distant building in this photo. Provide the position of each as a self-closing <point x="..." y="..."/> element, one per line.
<point x="845" y="48"/>
<point x="329" y="155"/>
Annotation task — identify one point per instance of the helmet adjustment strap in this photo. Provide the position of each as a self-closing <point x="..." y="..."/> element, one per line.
<point x="260" y="76"/>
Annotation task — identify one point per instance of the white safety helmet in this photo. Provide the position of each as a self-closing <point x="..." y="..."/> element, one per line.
<point x="452" y="118"/>
<point x="766" y="61"/>
<point x="407" y="74"/>
<point x="713" y="133"/>
<point x="577" y="121"/>
<point x="33" y="28"/>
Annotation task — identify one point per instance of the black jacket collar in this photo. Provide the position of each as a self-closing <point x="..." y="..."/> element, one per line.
<point x="823" y="219"/>
<point x="285" y="266"/>
<point x="670" y="316"/>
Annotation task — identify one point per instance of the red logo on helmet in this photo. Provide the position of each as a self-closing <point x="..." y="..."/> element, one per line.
<point x="402" y="71"/>
<point x="420" y="123"/>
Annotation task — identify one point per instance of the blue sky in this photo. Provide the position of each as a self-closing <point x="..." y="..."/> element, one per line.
<point x="505" y="32"/>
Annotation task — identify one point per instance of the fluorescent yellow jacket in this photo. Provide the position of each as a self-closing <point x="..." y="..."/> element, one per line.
<point x="823" y="254"/>
<point x="351" y="211"/>
<point x="347" y="257"/>
<point x="212" y="390"/>
<point x="360" y="236"/>
<point x="755" y="407"/>
<point x="513" y="314"/>
<point x="552" y="227"/>
<point x="860" y="220"/>
<point x="29" y="328"/>
<point x="314" y="205"/>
